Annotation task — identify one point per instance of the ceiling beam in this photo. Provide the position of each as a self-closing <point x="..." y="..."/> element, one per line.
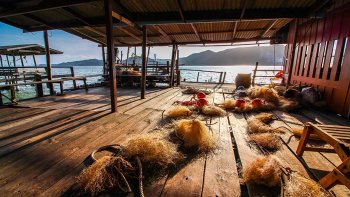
<point x="206" y="42"/>
<point x="269" y="27"/>
<point x="119" y="17"/>
<point x="180" y="9"/>
<point x="83" y="21"/>
<point x="244" y="7"/>
<point x="130" y="34"/>
<point x="234" y="30"/>
<point x="45" y="5"/>
<point x="161" y="31"/>
<point x="318" y="5"/>
<point x="192" y="33"/>
<point x="196" y="32"/>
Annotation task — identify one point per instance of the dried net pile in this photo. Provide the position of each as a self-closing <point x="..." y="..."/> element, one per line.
<point x="264" y="171"/>
<point x="153" y="148"/>
<point x="266" y="140"/>
<point x="195" y="134"/>
<point x="177" y="111"/>
<point x="105" y="175"/>
<point x="299" y="186"/>
<point x="211" y="110"/>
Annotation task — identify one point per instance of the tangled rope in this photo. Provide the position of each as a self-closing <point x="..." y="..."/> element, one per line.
<point x="116" y="149"/>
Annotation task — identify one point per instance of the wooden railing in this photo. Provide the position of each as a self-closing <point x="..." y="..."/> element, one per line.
<point x="222" y="75"/>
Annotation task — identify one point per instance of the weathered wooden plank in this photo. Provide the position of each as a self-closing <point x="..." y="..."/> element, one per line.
<point x="221" y="176"/>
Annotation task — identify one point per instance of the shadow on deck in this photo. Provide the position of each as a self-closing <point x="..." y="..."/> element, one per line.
<point x="44" y="143"/>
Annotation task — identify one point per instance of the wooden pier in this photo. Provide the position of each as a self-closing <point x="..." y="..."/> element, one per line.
<point x="45" y="143"/>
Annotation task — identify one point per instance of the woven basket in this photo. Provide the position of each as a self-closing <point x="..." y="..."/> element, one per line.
<point x="244" y="80"/>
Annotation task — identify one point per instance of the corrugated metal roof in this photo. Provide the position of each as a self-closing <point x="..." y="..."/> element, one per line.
<point x="87" y="19"/>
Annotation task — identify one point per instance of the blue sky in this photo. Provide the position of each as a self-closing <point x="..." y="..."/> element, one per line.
<point x="76" y="48"/>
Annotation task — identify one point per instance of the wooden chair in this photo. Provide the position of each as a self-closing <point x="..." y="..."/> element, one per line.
<point x="335" y="136"/>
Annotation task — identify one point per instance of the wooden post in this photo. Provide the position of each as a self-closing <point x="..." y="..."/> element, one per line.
<point x="24" y="76"/>
<point x="2" y="64"/>
<point x="48" y="61"/>
<point x="293" y="55"/>
<point x="104" y="60"/>
<point x="167" y="67"/>
<point x="254" y="73"/>
<point x="148" y="55"/>
<point x="121" y="57"/>
<point x="73" y="75"/>
<point x="127" y="56"/>
<point x="39" y="86"/>
<point x="134" y="61"/>
<point x="111" y="54"/>
<point x="177" y="67"/>
<point x="173" y="55"/>
<point x="144" y="63"/>
<point x="220" y="77"/>
<point x="223" y="80"/>
<point x="34" y="60"/>
<point x="197" y="76"/>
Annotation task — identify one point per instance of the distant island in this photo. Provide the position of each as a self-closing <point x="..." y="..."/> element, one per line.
<point x="236" y="56"/>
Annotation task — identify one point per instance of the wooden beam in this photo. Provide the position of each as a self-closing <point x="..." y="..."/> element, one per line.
<point x="130" y="34"/>
<point x="48" y="61"/>
<point x="206" y="42"/>
<point x="81" y="19"/>
<point x="88" y="37"/>
<point x="317" y="6"/>
<point x="269" y="27"/>
<point x="143" y="71"/>
<point x="110" y="54"/>
<point x="244" y="7"/>
<point x="180" y="9"/>
<point x="119" y="17"/>
<point x="173" y="56"/>
<point x="234" y="30"/>
<point x="293" y="54"/>
<point x="161" y="31"/>
<point x="196" y="32"/>
<point x="44" y="6"/>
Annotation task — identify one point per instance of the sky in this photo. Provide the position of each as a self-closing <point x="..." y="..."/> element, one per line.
<point x="76" y="48"/>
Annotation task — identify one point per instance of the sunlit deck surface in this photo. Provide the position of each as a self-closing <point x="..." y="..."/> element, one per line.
<point x="45" y="141"/>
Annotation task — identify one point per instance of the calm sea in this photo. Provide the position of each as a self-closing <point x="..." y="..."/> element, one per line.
<point x="231" y="72"/>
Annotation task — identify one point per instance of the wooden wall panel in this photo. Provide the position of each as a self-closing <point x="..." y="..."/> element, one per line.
<point x="333" y="28"/>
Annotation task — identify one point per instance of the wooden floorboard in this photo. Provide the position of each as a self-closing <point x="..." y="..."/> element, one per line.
<point x="45" y="143"/>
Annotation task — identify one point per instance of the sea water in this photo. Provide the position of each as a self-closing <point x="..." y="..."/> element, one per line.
<point x="25" y="92"/>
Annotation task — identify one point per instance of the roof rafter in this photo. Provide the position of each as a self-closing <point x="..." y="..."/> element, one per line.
<point x="47" y="5"/>
<point x="180" y="9"/>
<point x="82" y="20"/>
<point x="161" y="31"/>
<point x="130" y="34"/>
<point x="269" y="27"/>
<point x="208" y="41"/>
<point x="196" y="32"/>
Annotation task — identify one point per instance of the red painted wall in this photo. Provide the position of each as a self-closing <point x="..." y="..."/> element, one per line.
<point x="322" y="56"/>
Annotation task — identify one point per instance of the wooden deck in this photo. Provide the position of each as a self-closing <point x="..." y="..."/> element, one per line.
<point x="45" y="142"/>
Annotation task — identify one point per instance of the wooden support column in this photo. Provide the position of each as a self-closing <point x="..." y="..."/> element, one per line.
<point x="104" y="60"/>
<point x="48" y="62"/>
<point x="127" y="57"/>
<point x="34" y="60"/>
<point x="177" y="66"/>
<point x="293" y="55"/>
<point x="111" y="54"/>
<point x="143" y="74"/>
<point x="173" y="55"/>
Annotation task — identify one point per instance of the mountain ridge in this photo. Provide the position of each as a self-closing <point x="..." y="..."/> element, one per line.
<point x="235" y="56"/>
